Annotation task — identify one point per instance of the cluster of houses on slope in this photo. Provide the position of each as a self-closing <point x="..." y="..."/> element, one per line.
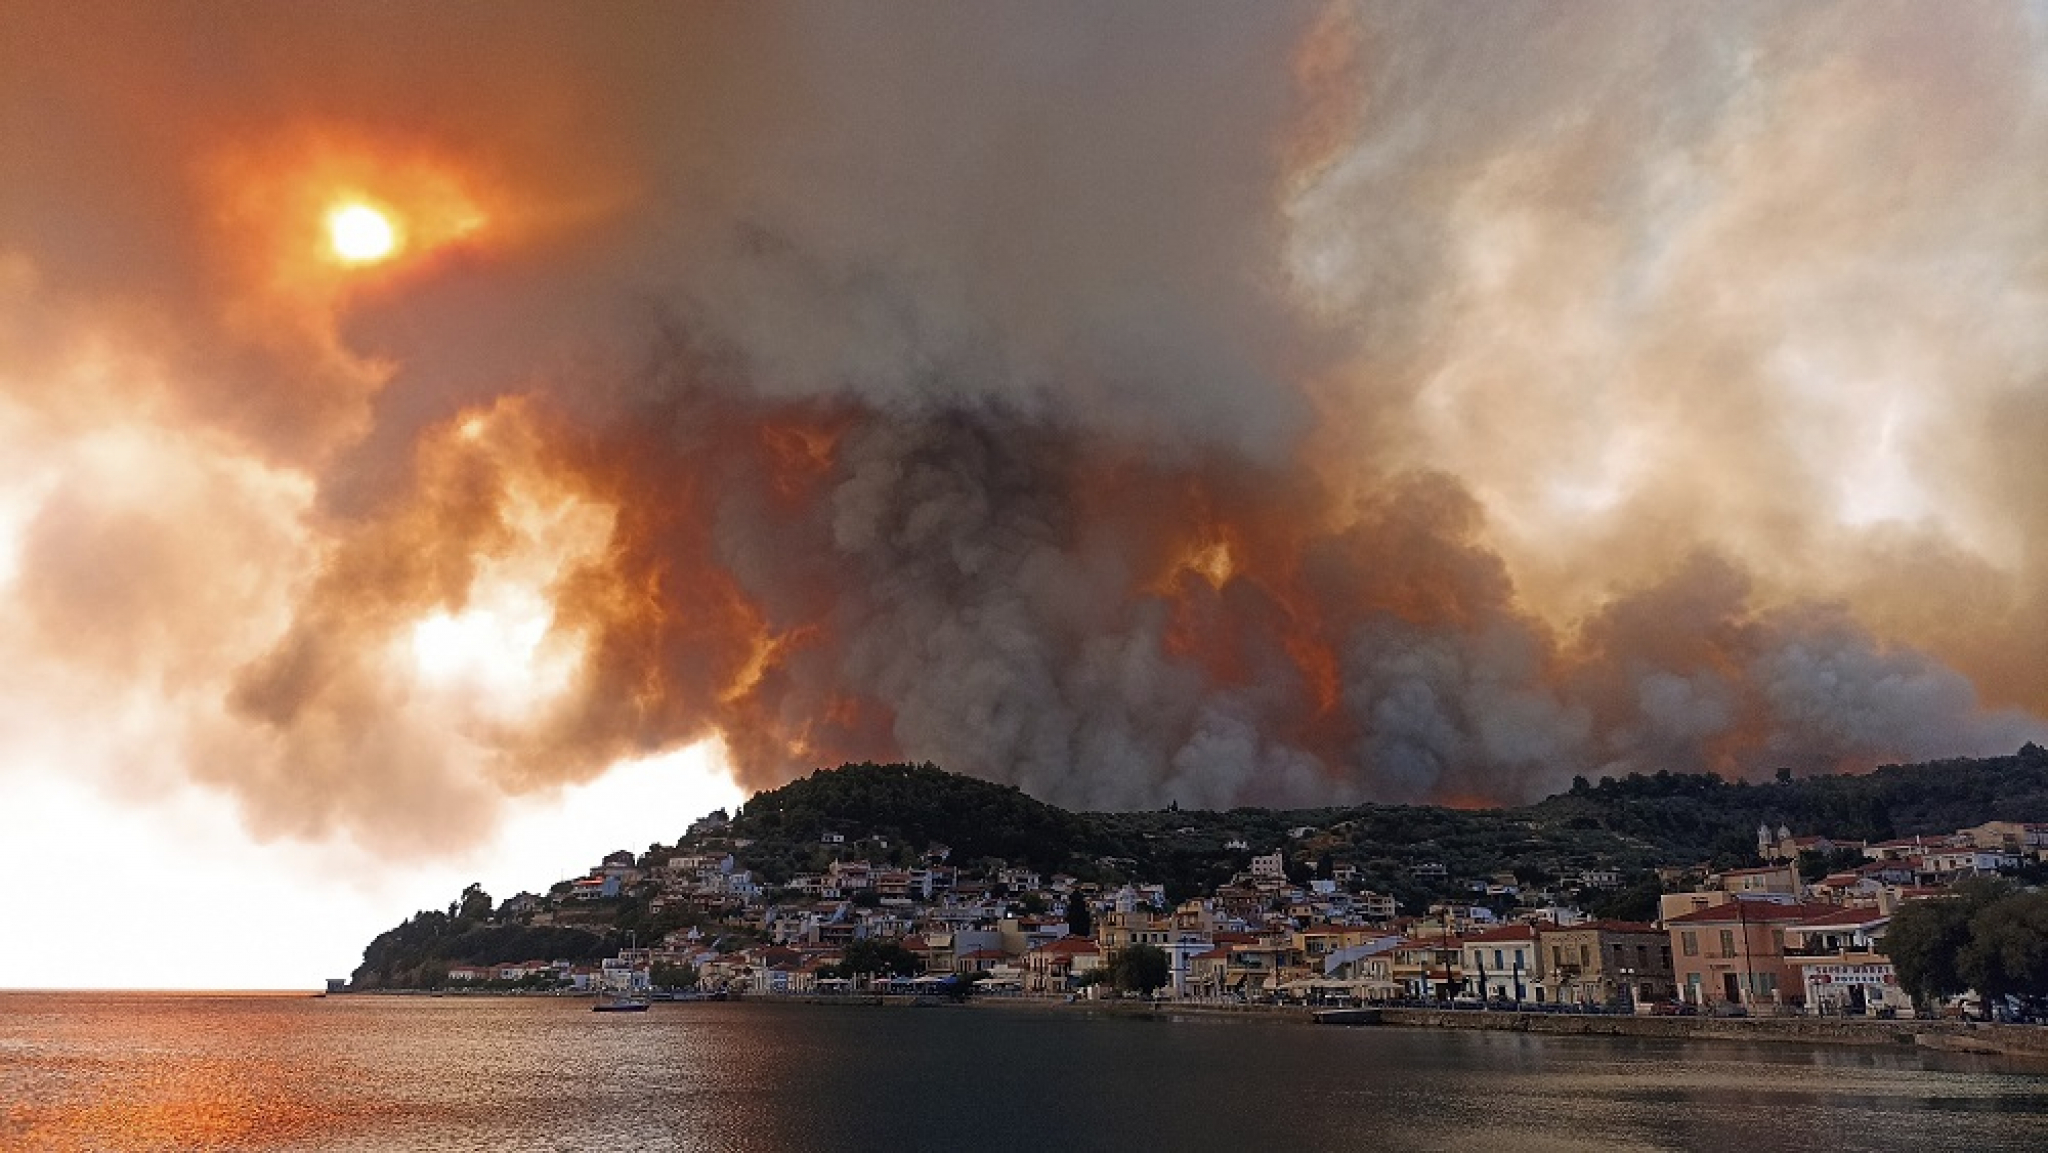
<point x="1750" y="940"/>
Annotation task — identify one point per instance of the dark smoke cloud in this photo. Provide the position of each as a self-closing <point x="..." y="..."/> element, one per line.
<point x="1268" y="404"/>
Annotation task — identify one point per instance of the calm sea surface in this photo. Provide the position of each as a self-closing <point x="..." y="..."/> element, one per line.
<point x="122" y="1072"/>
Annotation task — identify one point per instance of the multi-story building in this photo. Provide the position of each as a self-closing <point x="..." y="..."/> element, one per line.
<point x="1605" y="963"/>
<point x="1257" y="969"/>
<point x="1782" y="878"/>
<point x="1182" y="935"/>
<point x="1840" y="970"/>
<point x="1054" y="967"/>
<point x="1503" y="964"/>
<point x="2029" y="838"/>
<point x="1734" y="953"/>
<point x="1427" y="967"/>
<point x="1947" y="866"/>
<point x="1375" y="906"/>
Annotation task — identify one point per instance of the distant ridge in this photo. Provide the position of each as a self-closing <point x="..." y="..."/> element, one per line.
<point x="1632" y="822"/>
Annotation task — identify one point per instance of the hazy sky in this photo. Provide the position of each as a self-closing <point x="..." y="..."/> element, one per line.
<point x="449" y="443"/>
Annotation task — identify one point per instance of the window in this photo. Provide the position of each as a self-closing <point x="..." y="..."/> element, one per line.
<point x="1690" y="942"/>
<point x="1727" y="942"/>
<point x="1497" y="962"/>
<point x="1585" y="955"/>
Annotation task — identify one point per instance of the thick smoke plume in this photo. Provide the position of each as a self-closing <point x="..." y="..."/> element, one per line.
<point x="1247" y="404"/>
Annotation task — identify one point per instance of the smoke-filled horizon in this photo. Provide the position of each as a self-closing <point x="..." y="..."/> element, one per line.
<point x="1248" y="404"/>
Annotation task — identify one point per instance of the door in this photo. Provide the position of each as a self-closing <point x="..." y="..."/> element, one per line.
<point x="1729" y="987"/>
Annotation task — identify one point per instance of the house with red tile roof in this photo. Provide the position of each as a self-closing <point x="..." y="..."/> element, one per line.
<point x="979" y="960"/>
<point x="1054" y="967"/>
<point x="1734" y="954"/>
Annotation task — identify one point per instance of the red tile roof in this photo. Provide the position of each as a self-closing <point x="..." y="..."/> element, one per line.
<point x="1504" y="933"/>
<point x="1843" y="916"/>
<point x="1609" y="926"/>
<point x="1068" y="946"/>
<point x="1733" y="912"/>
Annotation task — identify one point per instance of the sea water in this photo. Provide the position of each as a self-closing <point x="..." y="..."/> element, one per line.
<point x="125" y="1071"/>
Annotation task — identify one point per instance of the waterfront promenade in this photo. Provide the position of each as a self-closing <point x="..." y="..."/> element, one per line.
<point x="2028" y="1041"/>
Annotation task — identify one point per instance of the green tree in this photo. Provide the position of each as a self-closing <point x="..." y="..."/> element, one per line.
<point x="1814" y="865"/>
<point x="1636" y="901"/>
<point x="1139" y="969"/>
<point x="1080" y="922"/>
<point x="869" y="956"/>
<point x="1926" y="939"/>
<point x="683" y="976"/>
<point x="475" y="904"/>
<point x="2007" y="951"/>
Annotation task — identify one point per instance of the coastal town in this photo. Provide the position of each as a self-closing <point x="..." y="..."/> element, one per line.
<point x="1798" y="931"/>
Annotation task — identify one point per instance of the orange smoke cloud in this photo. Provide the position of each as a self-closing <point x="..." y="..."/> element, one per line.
<point x="1291" y="405"/>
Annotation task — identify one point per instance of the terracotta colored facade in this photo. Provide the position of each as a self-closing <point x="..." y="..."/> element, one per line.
<point x="1734" y="954"/>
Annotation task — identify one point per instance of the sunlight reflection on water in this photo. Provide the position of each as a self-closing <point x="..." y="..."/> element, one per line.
<point x="126" y="1072"/>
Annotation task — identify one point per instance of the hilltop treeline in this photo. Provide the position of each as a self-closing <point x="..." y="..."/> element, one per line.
<point x="900" y="811"/>
<point x="893" y="813"/>
<point x="1702" y="817"/>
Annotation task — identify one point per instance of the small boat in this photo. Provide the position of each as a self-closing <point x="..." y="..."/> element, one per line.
<point x="626" y="1000"/>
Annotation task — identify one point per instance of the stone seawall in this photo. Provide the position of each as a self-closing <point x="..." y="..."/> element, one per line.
<point x="2030" y="1041"/>
<point x="1956" y="1036"/>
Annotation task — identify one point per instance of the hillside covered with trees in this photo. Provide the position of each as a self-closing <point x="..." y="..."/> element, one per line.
<point x="897" y="814"/>
<point x="418" y="952"/>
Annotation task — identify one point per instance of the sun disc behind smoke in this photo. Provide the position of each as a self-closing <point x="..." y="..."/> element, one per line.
<point x="359" y="234"/>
